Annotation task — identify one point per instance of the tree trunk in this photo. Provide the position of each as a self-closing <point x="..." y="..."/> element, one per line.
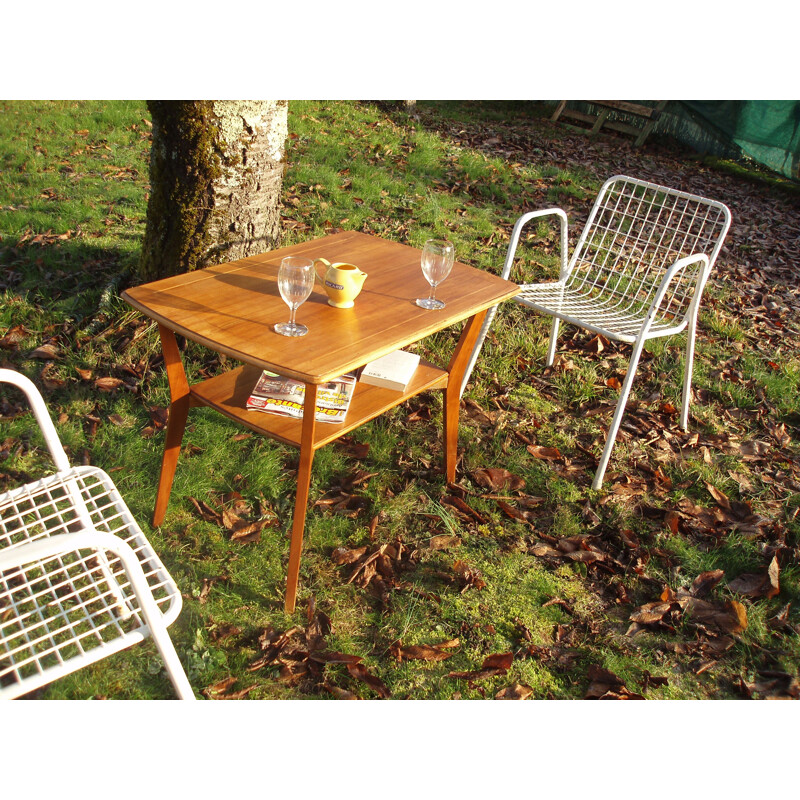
<point x="216" y="171"/>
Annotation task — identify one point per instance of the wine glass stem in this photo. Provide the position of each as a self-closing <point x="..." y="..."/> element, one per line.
<point x="292" y="312"/>
<point x="433" y="292"/>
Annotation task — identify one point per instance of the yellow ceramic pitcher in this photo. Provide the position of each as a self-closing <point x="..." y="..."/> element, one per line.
<point x="342" y="282"/>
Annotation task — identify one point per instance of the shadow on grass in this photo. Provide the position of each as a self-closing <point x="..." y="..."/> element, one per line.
<point x="50" y="271"/>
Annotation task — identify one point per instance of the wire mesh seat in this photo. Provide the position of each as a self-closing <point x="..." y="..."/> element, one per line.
<point x="637" y="272"/>
<point x="78" y="579"/>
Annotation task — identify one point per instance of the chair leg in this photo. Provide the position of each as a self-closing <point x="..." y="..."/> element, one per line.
<point x="153" y="619"/>
<point x="620" y="410"/>
<point x="687" y="374"/>
<point x="168" y="654"/>
<point x="551" y="350"/>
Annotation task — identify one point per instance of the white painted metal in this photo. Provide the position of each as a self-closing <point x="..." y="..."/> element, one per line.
<point x="637" y="272"/>
<point x="78" y="579"/>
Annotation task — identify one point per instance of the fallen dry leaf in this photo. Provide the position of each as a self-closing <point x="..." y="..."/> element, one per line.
<point x="605" y="685"/>
<point x="496" y="479"/>
<point x="108" y="384"/>
<point x="468" y="577"/>
<point x="546" y="453"/>
<point x="222" y="690"/>
<point x="762" y="584"/>
<point x="45" y="352"/>
<point x="495" y="664"/>
<point x="517" y="691"/>
<point x="424" y="652"/>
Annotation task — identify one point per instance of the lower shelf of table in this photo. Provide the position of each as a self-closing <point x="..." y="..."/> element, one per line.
<point x="228" y="394"/>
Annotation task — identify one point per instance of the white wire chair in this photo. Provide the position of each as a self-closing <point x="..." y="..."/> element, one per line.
<point x="78" y="579"/>
<point x="637" y="272"/>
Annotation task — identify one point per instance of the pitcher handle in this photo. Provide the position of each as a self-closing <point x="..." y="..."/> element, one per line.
<point x="316" y="271"/>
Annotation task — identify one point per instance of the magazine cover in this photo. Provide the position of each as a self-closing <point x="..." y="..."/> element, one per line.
<point x="278" y="395"/>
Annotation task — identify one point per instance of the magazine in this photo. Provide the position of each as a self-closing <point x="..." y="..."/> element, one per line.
<point x="278" y="395"/>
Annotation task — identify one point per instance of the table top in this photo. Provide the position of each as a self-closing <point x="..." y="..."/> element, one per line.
<point x="232" y="308"/>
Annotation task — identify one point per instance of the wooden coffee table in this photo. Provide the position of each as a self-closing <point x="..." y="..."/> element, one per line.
<point x="232" y="308"/>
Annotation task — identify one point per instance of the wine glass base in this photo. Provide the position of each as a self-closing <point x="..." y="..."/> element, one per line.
<point x="290" y="329"/>
<point x="431" y="305"/>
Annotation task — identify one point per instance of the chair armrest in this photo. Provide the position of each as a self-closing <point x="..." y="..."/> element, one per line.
<point x="51" y="546"/>
<point x="40" y="412"/>
<point x="677" y="267"/>
<point x="520" y="224"/>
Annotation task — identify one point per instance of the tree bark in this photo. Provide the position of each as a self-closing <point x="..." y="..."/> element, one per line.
<point x="216" y="171"/>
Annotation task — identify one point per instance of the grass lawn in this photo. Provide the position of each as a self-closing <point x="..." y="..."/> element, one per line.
<point x="524" y="583"/>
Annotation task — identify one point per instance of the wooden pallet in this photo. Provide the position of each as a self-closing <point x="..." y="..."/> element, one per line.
<point x="600" y="118"/>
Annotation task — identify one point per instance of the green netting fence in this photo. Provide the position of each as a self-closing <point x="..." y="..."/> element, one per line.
<point x="766" y="130"/>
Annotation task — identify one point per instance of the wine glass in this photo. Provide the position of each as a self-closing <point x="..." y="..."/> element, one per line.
<point x="295" y="282"/>
<point x="437" y="261"/>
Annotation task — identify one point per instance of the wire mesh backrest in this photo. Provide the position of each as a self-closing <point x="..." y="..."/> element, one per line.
<point x="635" y="232"/>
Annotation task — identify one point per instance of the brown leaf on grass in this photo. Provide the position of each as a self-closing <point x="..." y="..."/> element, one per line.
<point x="12" y="337"/>
<point x="546" y="453"/>
<point x="557" y="601"/>
<point x="495" y="664"/>
<point x="754" y="450"/>
<point x="205" y="511"/>
<point x="719" y="496"/>
<point x="45" y="352"/>
<point x="512" y="513"/>
<point x="605" y="685"/>
<point x="343" y="555"/>
<point x="780" y="622"/>
<point x="360" y="673"/>
<point x="732" y="618"/>
<point x="222" y="690"/>
<point x="775" y="684"/>
<point x="761" y="584"/>
<point x="159" y="416"/>
<point x="357" y="450"/>
<point x="272" y="644"/>
<point x="223" y="631"/>
<point x="376" y="567"/>
<point x="205" y="590"/>
<point x="248" y="532"/>
<point x="108" y="384"/>
<point x="629" y="539"/>
<point x="517" y="691"/>
<point x="338" y="692"/>
<point x="464" y="508"/>
<point x="650" y="613"/>
<point x="49" y="379"/>
<point x="585" y="556"/>
<point x="495" y="479"/>
<point x="468" y="577"/>
<point x="424" y="652"/>
<point x="444" y="541"/>
<point x="596" y="344"/>
<point x="706" y="581"/>
<point x="543" y="550"/>
<point x="501" y="661"/>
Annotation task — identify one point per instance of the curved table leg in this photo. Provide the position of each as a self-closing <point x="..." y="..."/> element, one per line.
<point x="452" y="398"/>
<point x="176" y="424"/>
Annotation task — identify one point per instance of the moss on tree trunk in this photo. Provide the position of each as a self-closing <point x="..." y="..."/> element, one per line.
<point x="216" y="170"/>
